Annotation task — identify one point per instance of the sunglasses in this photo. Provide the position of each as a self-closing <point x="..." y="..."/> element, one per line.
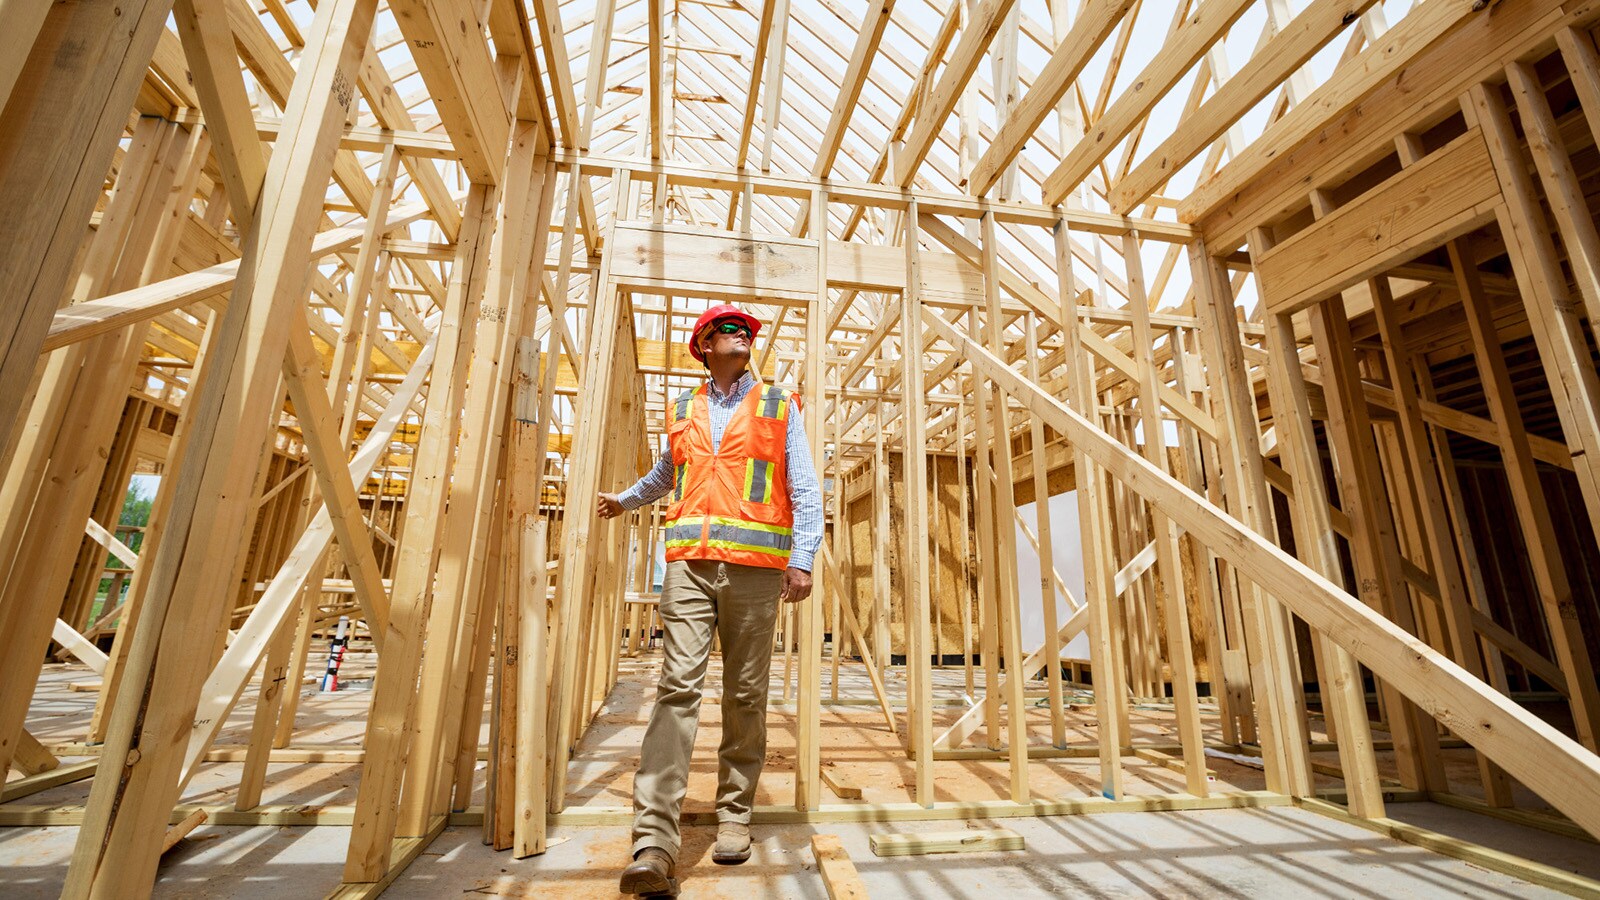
<point x="733" y="328"/>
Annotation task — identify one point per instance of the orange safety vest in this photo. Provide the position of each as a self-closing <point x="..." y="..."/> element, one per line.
<point x="731" y="503"/>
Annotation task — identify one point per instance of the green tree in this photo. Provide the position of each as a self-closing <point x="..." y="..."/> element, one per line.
<point x="135" y="511"/>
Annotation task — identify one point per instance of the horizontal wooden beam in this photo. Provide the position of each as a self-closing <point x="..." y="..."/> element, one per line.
<point x="1411" y="78"/>
<point x="760" y="266"/>
<point x="874" y="195"/>
<point x="13" y="814"/>
<point x="1450" y="192"/>
<point x="426" y="144"/>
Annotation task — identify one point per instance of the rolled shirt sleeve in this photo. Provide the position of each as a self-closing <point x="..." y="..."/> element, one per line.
<point x="805" y="495"/>
<point x="652" y="487"/>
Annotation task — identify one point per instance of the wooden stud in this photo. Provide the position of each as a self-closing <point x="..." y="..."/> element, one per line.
<point x="1047" y="587"/>
<point x="808" y="784"/>
<point x="1176" y="607"/>
<point x="988" y="566"/>
<point x="1098" y="591"/>
<point x="533" y="583"/>
<point x="914" y="459"/>
<point x="1344" y="696"/>
<point x="1373" y="543"/>
<point x="1010" y="625"/>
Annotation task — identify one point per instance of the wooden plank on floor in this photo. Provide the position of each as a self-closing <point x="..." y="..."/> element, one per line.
<point x="838" y="872"/>
<point x="1475" y="854"/>
<point x="969" y="841"/>
<point x="842" y="787"/>
<point x="48" y="779"/>
<point x="32" y="757"/>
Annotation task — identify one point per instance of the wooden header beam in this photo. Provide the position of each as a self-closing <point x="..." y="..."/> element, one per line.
<point x="877" y="195"/>
<point x="1449" y="193"/>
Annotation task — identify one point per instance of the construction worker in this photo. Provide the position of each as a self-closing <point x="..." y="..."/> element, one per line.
<point x="742" y="529"/>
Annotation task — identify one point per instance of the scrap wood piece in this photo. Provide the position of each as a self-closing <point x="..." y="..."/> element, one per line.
<point x="33" y="757"/>
<point x="838" y="873"/>
<point x="842" y="787"/>
<point x="80" y="647"/>
<point x="18" y="788"/>
<point x="105" y="538"/>
<point x="946" y="842"/>
<point x="181" y="830"/>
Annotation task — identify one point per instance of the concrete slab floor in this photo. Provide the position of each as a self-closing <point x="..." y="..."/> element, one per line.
<point x="1241" y="853"/>
<point x="1277" y="852"/>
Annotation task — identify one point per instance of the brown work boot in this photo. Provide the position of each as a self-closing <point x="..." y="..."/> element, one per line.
<point x="733" y="844"/>
<point x="650" y="874"/>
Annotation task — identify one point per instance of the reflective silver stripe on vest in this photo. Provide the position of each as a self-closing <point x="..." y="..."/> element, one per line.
<point x="684" y="530"/>
<point x="760" y="475"/>
<point x="750" y="537"/>
<point x="772" y="402"/>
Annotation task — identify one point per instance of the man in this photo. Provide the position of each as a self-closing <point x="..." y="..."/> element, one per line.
<point x="742" y="529"/>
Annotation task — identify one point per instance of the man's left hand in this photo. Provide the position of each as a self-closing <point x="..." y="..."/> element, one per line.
<point x="796" y="585"/>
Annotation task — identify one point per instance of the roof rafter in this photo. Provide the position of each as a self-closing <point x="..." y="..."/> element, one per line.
<point x="1177" y="56"/>
<point x="1310" y="31"/>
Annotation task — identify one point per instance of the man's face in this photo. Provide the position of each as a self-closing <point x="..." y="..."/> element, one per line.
<point x="719" y="343"/>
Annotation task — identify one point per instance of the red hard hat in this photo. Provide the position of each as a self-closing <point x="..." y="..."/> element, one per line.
<point x="712" y="315"/>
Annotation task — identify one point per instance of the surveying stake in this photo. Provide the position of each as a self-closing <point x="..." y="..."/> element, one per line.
<point x="330" y="678"/>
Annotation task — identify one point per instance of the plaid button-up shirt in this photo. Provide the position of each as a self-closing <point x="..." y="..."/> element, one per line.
<point x="805" y="492"/>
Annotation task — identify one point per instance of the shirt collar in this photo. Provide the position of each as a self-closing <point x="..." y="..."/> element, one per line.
<point x="740" y="387"/>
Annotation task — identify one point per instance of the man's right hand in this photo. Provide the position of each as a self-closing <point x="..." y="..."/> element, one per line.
<point x="610" y="506"/>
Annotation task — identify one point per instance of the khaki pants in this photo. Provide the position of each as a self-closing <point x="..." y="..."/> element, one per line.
<point x="741" y="604"/>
